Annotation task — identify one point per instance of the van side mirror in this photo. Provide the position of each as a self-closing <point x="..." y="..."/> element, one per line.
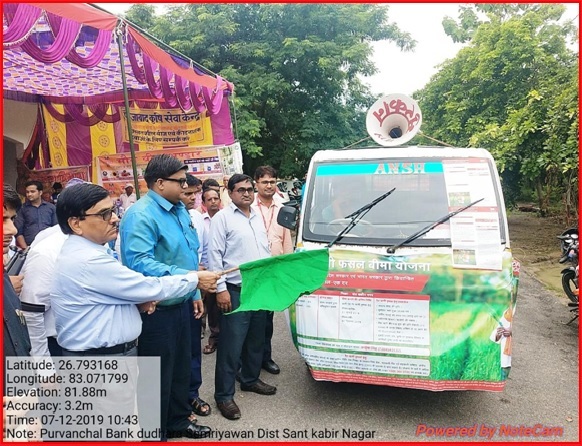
<point x="287" y="217"/>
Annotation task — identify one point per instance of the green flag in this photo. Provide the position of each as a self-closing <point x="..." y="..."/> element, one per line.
<point x="275" y="283"/>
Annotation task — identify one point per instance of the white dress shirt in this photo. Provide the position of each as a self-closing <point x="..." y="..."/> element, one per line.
<point x="94" y="296"/>
<point x="38" y="272"/>
<point x="235" y="239"/>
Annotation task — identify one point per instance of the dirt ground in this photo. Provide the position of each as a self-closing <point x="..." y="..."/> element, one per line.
<point x="534" y="244"/>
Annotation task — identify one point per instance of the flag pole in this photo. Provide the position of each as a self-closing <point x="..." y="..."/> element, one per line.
<point x="118" y="34"/>
<point x="230" y="270"/>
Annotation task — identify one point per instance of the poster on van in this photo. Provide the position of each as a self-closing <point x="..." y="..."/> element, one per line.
<point x="388" y="320"/>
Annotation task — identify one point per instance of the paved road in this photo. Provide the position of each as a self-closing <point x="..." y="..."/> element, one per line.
<point x="542" y="390"/>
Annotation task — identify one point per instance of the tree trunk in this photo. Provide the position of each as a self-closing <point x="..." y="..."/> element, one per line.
<point x="541" y="197"/>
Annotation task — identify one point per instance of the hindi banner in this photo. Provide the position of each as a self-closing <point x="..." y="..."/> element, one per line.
<point x="115" y="170"/>
<point x="61" y="175"/>
<point x="154" y="129"/>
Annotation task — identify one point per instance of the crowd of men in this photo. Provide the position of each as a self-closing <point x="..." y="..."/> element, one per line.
<point x="179" y="249"/>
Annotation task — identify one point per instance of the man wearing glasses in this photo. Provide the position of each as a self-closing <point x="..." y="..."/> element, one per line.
<point x="237" y="235"/>
<point x="94" y="297"/>
<point x="158" y="239"/>
<point x="279" y="242"/>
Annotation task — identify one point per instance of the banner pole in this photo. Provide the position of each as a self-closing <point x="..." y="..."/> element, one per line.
<point x="118" y="34"/>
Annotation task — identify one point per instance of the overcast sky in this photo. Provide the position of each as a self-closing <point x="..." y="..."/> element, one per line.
<point x="405" y="72"/>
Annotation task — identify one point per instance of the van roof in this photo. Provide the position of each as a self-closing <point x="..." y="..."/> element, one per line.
<point x="409" y="151"/>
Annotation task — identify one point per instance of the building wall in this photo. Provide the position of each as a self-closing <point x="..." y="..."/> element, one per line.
<point x="19" y="122"/>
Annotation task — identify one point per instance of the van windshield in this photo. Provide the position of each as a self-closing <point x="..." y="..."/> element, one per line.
<point x="426" y="190"/>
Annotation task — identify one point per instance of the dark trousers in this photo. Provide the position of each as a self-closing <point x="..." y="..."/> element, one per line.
<point x="241" y="343"/>
<point x="267" y="350"/>
<point x="166" y="334"/>
<point x="196" y="357"/>
<point x="54" y="348"/>
<point x="213" y="317"/>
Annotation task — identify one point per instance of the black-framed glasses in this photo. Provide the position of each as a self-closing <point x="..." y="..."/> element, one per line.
<point x="182" y="181"/>
<point x="268" y="183"/>
<point x="245" y="190"/>
<point x="105" y="214"/>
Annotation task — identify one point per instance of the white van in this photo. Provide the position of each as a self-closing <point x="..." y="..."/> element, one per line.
<point x="401" y="307"/>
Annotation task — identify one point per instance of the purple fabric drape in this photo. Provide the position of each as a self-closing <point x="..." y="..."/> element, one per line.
<point x="144" y="104"/>
<point x="21" y="19"/>
<point x="77" y="113"/>
<point x="183" y="93"/>
<point x="153" y="85"/>
<point x="64" y="42"/>
<point x="222" y="125"/>
<point x="138" y="72"/>
<point x="213" y="99"/>
<point x="97" y="53"/>
<point x="169" y="94"/>
<point x="197" y="97"/>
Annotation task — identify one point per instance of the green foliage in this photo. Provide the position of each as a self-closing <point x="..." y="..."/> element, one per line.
<point x="295" y="68"/>
<point x="513" y="90"/>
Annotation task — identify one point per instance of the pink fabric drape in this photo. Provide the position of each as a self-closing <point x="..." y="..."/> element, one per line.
<point x="99" y="49"/>
<point x="64" y="42"/>
<point x="213" y="99"/>
<point x="186" y="94"/>
<point x="21" y="19"/>
<point x="183" y="94"/>
<point x="77" y="113"/>
<point x="169" y="94"/>
<point x="138" y="72"/>
<point x="197" y="97"/>
<point x="153" y="85"/>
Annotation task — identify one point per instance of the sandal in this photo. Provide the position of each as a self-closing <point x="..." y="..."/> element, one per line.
<point x="208" y="349"/>
<point x="200" y="407"/>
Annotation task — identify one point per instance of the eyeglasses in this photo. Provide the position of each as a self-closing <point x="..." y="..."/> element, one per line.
<point x="105" y="214"/>
<point x="268" y="183"/>
<point x="182" y="181"/>
<point x="247" y="190"/>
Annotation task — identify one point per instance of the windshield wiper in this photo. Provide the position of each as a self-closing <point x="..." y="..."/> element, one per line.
<point x="430" y="227"/>
<point x="357" y="216"/>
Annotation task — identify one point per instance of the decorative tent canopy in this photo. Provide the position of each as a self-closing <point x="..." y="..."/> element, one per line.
<point x="68" y="53"/>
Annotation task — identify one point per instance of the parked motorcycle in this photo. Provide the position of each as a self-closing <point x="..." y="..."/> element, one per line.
<point x="569" y="243"/>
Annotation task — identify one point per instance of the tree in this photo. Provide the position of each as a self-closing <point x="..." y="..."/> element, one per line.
<point x="513" y="90"/>
<point x="296" y="69"/>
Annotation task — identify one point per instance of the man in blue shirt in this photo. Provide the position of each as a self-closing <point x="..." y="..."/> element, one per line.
<point x="34" y="216"/>
<point x="159" y="239"/>
<point x="237" y="235"/>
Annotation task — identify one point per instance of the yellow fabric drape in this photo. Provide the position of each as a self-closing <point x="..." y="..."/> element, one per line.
<point x="56" y="132"/>
<point x="102" y="143"/>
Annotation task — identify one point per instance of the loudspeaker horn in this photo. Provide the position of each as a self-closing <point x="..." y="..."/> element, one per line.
<point x="393" y="120"/>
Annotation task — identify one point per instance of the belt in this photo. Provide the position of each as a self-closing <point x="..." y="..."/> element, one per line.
<point x="232" y="286"/>
<point x="116" y="349"/>
<point x="169" y="307"/>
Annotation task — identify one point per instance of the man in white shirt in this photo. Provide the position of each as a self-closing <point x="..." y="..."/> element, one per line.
<point x="224" y="195"/>
<point x="94" y="297"/>
<point x="128" y="198"/>
<point x="38" y="273"/>
<point x="211" y="202"/>
<point x="267" y="206"/>
<point x="237" y="236"/>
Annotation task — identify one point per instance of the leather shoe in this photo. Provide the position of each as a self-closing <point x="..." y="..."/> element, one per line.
<point x="271" y="367"/>
<point x="259" y="387"/>
<point x="191" y="431"/>
<point x="229" y="409"/>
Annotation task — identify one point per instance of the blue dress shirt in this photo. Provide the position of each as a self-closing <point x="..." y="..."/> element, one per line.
<point x="235" y="239"/>
<point x="159" y="239"/>
<point x="30" y="220"/>
<point x="93" y="296"/>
